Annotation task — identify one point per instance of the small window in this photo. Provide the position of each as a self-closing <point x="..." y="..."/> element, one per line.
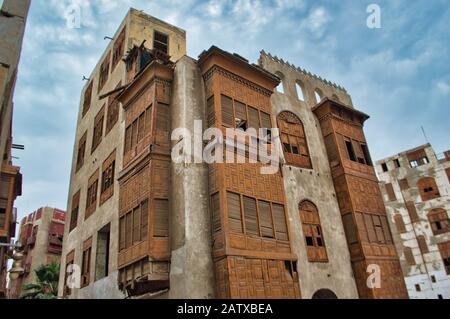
<point x="299" y="90"/>
<point x="433" y="279"/>
<point x="280" y="87"/>
<point x="102" y="254"/>
<point x="417" y="287"/>
<point x="350" y="150"/>
<point x="366" y="154"/>
<point x="318" y="95"/>
<point x="104" y="72"/>
<point x="98" y="129"/>
<point x="397" y="163"/>
<point x="384" y="167"/>
<point x="414" y="164"/>
<point x="161" y="42"/>
<point x="440" y="297"/>
<point x="81" y="152"/>
<point x="87" y="98"/>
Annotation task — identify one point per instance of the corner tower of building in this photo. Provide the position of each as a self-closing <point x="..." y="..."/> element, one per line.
<point x="99" y="155"/>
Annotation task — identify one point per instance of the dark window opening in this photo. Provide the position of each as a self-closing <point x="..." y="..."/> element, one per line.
<point x="440" y="297"/>
<point x="350" y="151"/>
<point x="309" y="241"/>
<point x="295" y="150"/>
<point x="287" y="147"/>
<point x="161" y="42"/>
<point x="447" y="265"/>
<point x="418" y="287"/>
<point x="433" y="279"/>
<point x="102" y="257"/>
<point x="384" y="167"/>
<point x="397" y="163"/>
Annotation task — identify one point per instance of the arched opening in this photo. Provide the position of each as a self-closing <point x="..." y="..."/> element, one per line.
<point x="293" y="139"/>
<point x="280" y="87"/>
<point x="318" y="94"/>
<point x="428" y="188"/>
<point x="312" y="230"/>
<point x="324" y="294"/>
<point x="299" y="88"/>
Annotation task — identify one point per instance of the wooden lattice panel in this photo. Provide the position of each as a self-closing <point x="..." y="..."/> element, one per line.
<point x="242" y="278"/>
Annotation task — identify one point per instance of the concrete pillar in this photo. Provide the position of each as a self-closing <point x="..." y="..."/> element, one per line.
<point x="191" y="269"/>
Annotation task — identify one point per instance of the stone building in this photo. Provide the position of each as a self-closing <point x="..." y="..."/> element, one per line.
<point x="416" y="190"/>
<point x="13" y="15"/>
<point x="92" y="220"/>
<point x="183" y="227"/>
<point x="41" y="234"/>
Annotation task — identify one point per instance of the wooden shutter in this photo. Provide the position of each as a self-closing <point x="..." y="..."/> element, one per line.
<point x="144" y="220"/>
<point x="253" y="118"/>
<point x="136" y="225"/>
<point x="211" y="112"/>
<point x="280" y="222"/>
<point x="370" y="228"/>
<point x="227" y="111"/>
<point x="127" y="147"/>
<point x="265" y="120"/>
<point x="403" y="184"/>
<point x="361" y="227"/>
<point x="234" y="212"/>
<point x="75" y="210"/>
<point x="129" y="230"/>
<point x="386" y="229"/>
<point x="141" y="130"/>
<point x="412" y="211"/>
<point x="148" y="120"/>
<point x="265" y="219"/>
<point x="122" y="231"/>
<point x="240" y="109"/>
<point x="161" y="218"/>
<point x="134" y="133"/>
<point x="409" y="256"/>
<point x="399" y="224"/>
<point x="422" y="244"/>
<point x="251" y="218"/>
<point x="378" y="228"/>
<point x="163" y="117"/>
<point x="215" y="212"/>
<point x="390" y="192"/>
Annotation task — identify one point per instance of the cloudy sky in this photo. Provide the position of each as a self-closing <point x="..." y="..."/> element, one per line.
<point x="399" y="74"/>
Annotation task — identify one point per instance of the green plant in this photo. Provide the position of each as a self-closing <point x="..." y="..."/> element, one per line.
<point x="46" y="286"/>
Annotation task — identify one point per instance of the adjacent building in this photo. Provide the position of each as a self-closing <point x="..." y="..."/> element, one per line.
<point x="148" y="220"/>
<point x="416" y="190"/>
<point x="13" y="15"/>
<point x="41" y="235"/>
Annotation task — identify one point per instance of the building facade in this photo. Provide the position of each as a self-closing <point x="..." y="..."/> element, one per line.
<point x="416" y="190"/>
<point x="184" y="227"/>
<point x="41" y="235"/>
<point x="13" y="15"/>
<point x="93" y="202"/>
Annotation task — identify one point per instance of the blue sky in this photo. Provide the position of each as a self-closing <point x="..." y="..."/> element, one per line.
<point x="399" y="74"/>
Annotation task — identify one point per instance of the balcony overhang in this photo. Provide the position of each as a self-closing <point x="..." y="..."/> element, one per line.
<point x="330" y="107"/>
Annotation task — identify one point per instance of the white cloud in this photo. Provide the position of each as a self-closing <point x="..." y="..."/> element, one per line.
<point x="443" y="87"/>
<point x="317" y="20"/>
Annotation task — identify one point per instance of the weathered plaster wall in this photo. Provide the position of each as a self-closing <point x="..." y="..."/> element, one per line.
<point x="315" y="185"/>
<point x="427" y="264"/>
<point x="139" y="28"/>
<point x="192" y="270"/>
<point x="13" y="18"/>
